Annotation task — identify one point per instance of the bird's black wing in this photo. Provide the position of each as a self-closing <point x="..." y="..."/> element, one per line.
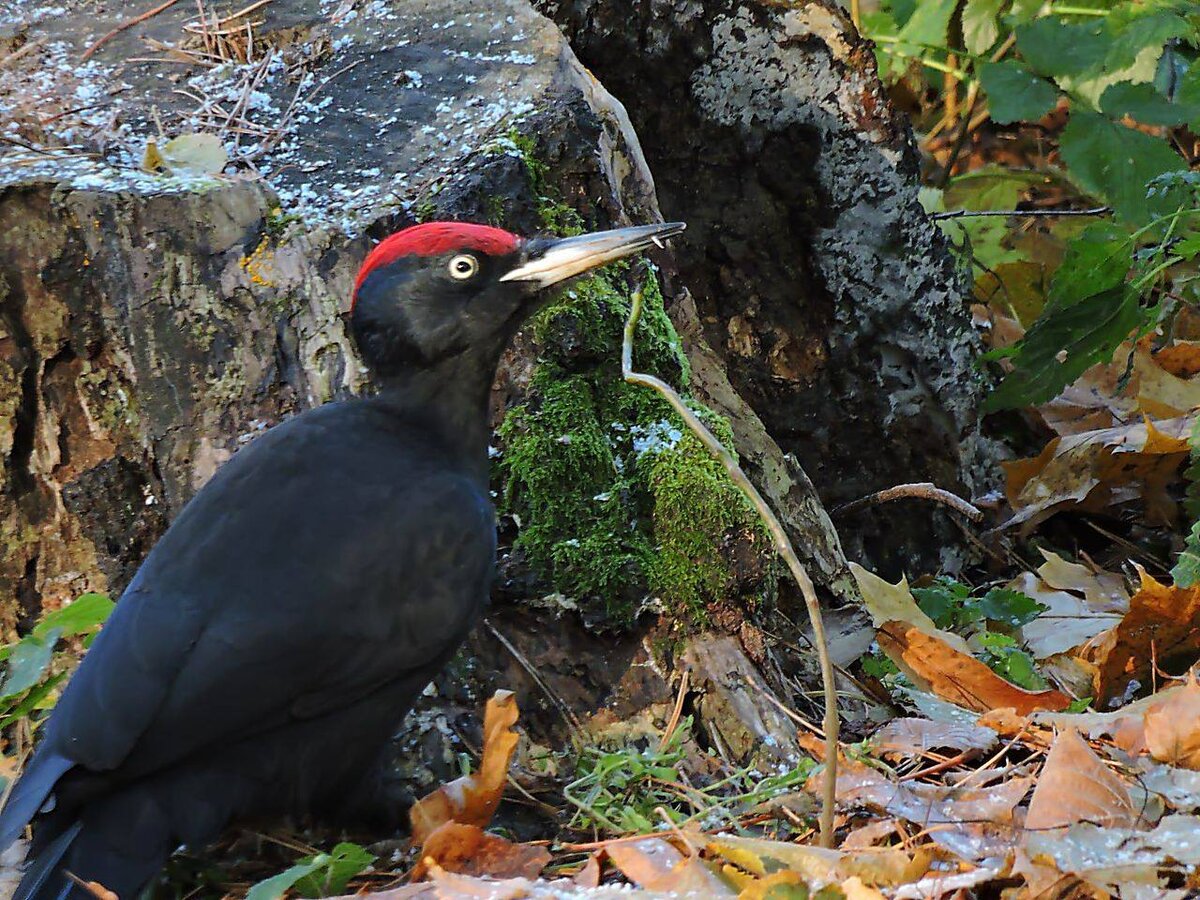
<point x="335" y="554"/>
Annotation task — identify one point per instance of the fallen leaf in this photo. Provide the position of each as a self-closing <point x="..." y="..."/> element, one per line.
<point x="940" y="884"/>
<point x="818" y="866"/>
<point x="894" y="602"/>
<point x="972" y="823"/>
<point x="469" y="850"/>
<point x="1104" y="591"/>
<point x="915" y="737"/>
<point x="1162" y="626"/>
<point x="1181" y="359"/>
<point x="1096" y="469"/>
<point x="854" y="889"/>
<point x="1173" y="727"/>
<point x="1178" y="788"/>
<point x="1108" y="856"/>
<point x="1005" y="722"/>
<point x="655" y="865"/>
<point x="957" y="676"/>
<point x="1076" y="786"/>
<point x="194" y="154"/>
<point x="472" y="799"/>
<point x="589" y="875"/>
<point x="1160" y="393"/>
<point x="1066" y="623"/>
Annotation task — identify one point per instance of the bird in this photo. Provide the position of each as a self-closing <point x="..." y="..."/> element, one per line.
<point x="275" y="636"/>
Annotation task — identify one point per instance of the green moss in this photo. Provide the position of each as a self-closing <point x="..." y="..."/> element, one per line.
<point x="617" y="500"/>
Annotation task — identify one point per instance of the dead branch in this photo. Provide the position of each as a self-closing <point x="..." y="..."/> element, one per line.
<point x="922" y="490"/>
<point x="128" y="23"/>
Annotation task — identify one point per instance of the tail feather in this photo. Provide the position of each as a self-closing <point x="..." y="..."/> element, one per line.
<point x="29" y="794"/>
<point x="119" y="841"/>
<point x="44" y="878"/>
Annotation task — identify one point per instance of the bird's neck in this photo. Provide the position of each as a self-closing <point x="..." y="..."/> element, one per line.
<point x="450" y="398"/>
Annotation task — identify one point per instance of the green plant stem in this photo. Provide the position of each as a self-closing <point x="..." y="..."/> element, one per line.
<point x="782" y="545"/>
<point x="1077" y="11"/>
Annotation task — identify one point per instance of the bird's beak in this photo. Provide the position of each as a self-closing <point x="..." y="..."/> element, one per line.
<point x="548" y="262"/>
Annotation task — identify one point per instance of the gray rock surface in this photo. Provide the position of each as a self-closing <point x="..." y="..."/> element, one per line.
<point x="826" y="291"/>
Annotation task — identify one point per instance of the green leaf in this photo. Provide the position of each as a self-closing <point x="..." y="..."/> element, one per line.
<point x="928" y="26"/>
<point x="342" y="863"/>
<point x="83" y="614"/>
<point x="989" y="187"/>
<point x="979" y="24"/>
<point x="942" y="601"/>
<point x="1009" y="662"/>
<point x="1089" y="331"/>
<point x="1097" y="260"/>
<point x="1132" y="28"/>
<point x="276" y="886"/>
<point x="1143" y="103"/>
<point x="28" y="663"/>
<point x="1009" y="607"/>
<point x="1186" y="572"/>
<point x="1056" y="48"/>
<point x="1116" y="163"/>
<point x="32" y="700"/>
<point x="1015" y="94"/>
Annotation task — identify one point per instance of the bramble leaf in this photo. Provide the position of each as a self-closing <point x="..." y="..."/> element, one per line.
<point x="1016" y="94"/>
<point x="1116" y="163"/>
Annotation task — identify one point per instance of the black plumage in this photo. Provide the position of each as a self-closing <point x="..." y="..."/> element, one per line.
<point x="274" y="637"/>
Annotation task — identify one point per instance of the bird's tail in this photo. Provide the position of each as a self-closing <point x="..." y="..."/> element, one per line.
<point x="119" y="841"/>
<point x="30" y="794"/>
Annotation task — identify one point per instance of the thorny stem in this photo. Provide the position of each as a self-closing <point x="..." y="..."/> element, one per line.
<point x="782" y="545"/>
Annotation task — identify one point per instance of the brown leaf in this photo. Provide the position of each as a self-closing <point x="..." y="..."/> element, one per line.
<point x="1181" y="359"/>
<point x="1069" y="620"/>
<point x="1095" y="469"/>
<point x="469" y="850"/>
<point x="1173" y="727"/>
<point x="1162" y="625"/>
<point x="655" y="865"/>
<point x="888" y="602"/>
<point x="1076" y="786"/>
<point x="957" y="677"/>
<point x="973" y="823"/>
<point x="589" y="875"/>
<point x="473" y="799"/>
<point x="914" y="737"/>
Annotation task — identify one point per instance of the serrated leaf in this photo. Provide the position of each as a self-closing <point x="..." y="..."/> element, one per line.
<point x="1056" y="48"/>
<point x="1186" y="572"/>
<point x="1097" y="260"/>
<point x="1116" y="163"/>
<point x="1145" y="104"/>
<point x="980" y="27"/>
<point x="1009" y="607"/>
<point x="1016" y="94"/>
<point x="1132" y="28"/>
<point x="1089" y="332"/>
<point x="341" y="864"/>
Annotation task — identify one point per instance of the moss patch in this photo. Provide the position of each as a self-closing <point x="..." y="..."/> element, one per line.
<point x="617" y="501"/>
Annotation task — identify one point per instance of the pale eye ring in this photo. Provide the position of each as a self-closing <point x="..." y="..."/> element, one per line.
<point x="463" y="266"/>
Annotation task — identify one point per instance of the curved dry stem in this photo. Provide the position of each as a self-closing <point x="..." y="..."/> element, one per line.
<point x="782" y="545"/>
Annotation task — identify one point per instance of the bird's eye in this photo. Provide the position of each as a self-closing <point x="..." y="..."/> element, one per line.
<point x="463" y="266"/>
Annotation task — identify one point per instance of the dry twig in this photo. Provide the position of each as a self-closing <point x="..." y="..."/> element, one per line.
<point x="128" y="23"/>
<point x="782" y="545"/>
<point x="922" y="490"/>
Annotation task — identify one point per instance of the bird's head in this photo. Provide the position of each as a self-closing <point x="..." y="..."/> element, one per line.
<point x="445" y="290"/>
